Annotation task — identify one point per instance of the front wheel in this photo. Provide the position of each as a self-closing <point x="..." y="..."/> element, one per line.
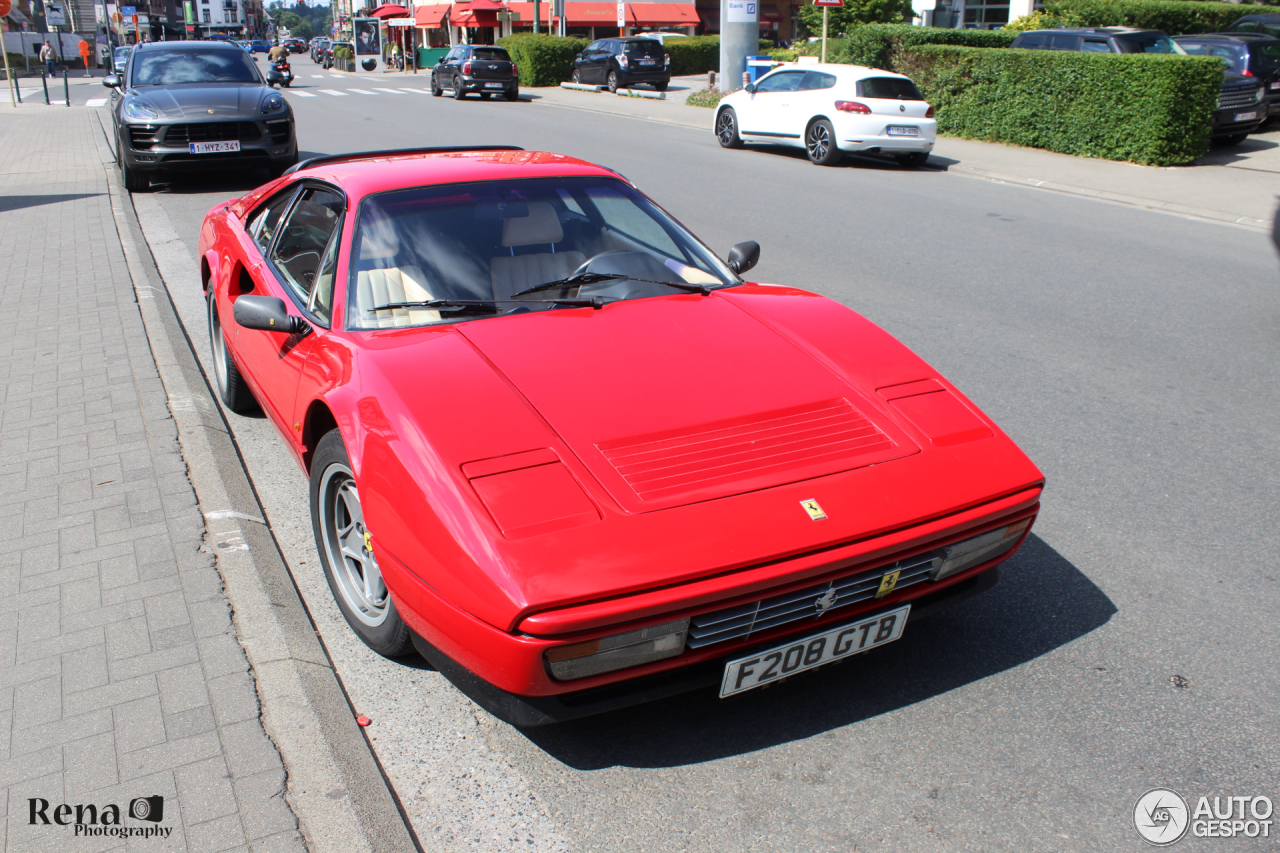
<point x="1234" y="139"/>
<point x="820" y="142"/>
<point x="576" y="76"/>
<point x="347" y="552"/>
<point x="436" y="91"/>
<point x="458" y="92"/>
<point x="727" y="129"/>
<point x="134" y="181"/>
<point x="611" y="82"/>
<point x="231" y="386"/>
<point x="661" y="87"/>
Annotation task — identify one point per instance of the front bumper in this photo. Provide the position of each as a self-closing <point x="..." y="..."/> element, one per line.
<point x="166" y="145"/>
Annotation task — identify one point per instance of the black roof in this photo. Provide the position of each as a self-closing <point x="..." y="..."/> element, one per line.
<point x="1236" y="37"/>
<point x="1094" y="31"/>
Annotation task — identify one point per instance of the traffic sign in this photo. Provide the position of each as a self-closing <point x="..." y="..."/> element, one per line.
<point x="54" y="15"/>
<point x="828" y="2"/>
<point x="6" y="6"/>
<point x="128" y="11"/>
<point x="622" y="15"/>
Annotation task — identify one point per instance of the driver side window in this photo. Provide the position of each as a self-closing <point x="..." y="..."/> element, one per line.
<point x="784" y="81"/>
<point x="303" y="237"/>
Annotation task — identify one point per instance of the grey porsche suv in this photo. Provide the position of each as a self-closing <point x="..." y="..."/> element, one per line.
<point x="195" y="106"/>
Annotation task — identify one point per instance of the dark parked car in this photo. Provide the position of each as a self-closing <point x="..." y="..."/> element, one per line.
<point x="623" y="62"/>
<point x="1250" y="54"/>
<point x="295" y="45"/>
<point x="319" y="48"/>
<point x="196" y="105"/>
<point x="1240" y="104"/>
<point x="476" y="68"/>
<point x="1266" y="24"/>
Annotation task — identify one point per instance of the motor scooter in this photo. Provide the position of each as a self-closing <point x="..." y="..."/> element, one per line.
<point x="280" y="73"/>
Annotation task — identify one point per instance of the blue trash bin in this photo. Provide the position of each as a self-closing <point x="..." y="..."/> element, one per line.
<point x="758" y="66"/>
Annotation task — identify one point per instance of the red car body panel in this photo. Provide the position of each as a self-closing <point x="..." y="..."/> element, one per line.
<point x="528" y="479"/>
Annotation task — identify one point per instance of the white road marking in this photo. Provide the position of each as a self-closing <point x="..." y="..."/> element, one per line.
<point x="303" y="94"/>
<point x="334" y="92"/>
<point x="388" y="91"/>
<point x="317" y="76"/>
<point x="338" y="76"/>
<point x="415" y="91"/>
<point x="361" y="92"/>
<point x="95" y="102"/>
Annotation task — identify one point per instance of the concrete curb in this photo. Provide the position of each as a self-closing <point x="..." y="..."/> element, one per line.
<point x="335" y="785"/>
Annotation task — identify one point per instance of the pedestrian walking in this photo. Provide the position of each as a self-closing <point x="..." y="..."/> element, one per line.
<point x="47" y="56"/>
<point x="84" y="54"/>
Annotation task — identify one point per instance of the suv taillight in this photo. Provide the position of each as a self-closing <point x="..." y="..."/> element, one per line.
<point x="853" y="107"/>
<point x="466" y="67"/>
<point x="622" y="60"/>
<point x="515" y="70"/>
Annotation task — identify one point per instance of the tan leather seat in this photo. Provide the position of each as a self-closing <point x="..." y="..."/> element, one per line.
<point x="509" y="274"/>
<point x="386" y="284"/>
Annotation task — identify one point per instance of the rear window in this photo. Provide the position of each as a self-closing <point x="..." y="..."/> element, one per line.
<point x="647" y="47"/>
<point x="1265" y="57"/>
<point x="889" y="88"/>
<point x="491" y="53"/>
<point x="1149" y="43"/>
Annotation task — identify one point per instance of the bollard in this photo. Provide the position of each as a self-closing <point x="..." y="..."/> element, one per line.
<point x="44" y="81"/>
<point x="66" y="87"/>
<point x="711" y="80"/>
<point x="746" y="78"/>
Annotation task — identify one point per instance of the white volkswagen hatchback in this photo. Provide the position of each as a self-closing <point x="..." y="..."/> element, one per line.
<point x="829" y="110"/>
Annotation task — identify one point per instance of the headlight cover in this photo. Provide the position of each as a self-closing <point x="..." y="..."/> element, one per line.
<point x="620" y="651"/>
<point x="979" y="549"/>
<point x="273" y="104"/>
<point x="139" y="110"/>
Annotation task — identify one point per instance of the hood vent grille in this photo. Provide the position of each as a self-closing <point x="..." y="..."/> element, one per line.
<point x="664" y="465"/>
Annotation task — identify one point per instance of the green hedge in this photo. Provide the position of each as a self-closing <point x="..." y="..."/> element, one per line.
<point x="1175" y="17"/>
<point x="696" y="55"/>
<point x="878" y="45"/>
<point x="543" y="60"/>
<point x="1150" y="109"/>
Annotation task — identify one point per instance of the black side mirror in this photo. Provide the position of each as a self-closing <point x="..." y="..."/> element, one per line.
<point x="751" y="88"/>
<point x="742" y="257"/>
<point x="111" y="81"/>
<point x="267" y="313"/>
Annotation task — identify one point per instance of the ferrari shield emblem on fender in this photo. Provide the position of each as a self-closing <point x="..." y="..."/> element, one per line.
<point x="887" y="583"/>
<point x="815" y="511"/>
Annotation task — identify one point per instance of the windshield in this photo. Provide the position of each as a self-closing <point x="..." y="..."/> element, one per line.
<point x="491" y="241"/>
<point x="1148" y="43"/>
<point x="211" y="65"/>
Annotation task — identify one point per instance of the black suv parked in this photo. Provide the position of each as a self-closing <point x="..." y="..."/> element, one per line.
<point x="476" y="68"/>
<point x="1268" y="25"/>
<point x="623" y="62"/>
<point x="1240" y="108"/>
<point x="1250" y="54"/>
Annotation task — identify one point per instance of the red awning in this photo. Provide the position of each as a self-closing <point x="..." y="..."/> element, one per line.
<point x="664" y="14"/>
<point x="769" y="12"/>
<point x="430" y="17"/>
<point x="389" y="10"/>
<point x="591" y="14"/>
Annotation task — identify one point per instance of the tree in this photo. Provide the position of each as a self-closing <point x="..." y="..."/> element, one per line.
<point x="856" y="12"/>
<point x="302" y="30"/>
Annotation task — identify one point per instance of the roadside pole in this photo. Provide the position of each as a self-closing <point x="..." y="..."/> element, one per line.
<point x="8" y="74"/>
<point x="826" y="15"/>
<point x="739" y="38"/>
<point x="44" y="81"/>
<point x="66" y="87"/>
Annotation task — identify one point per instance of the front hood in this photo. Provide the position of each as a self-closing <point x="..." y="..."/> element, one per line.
<point x="679" y="399"/>
<point x="217" y="100"/>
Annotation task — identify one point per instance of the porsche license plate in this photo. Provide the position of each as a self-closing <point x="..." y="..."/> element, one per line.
<point x="893" y="130"/>
<point x="1246" y="116"/>
<point x="213" y="147"/>
<point x="493" y="85"/>
<point x="811" y="652"/>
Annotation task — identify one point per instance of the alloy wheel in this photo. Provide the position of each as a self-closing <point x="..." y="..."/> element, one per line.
<point x="818" y="142"/>
<point x="725" y="129"/>
<point x="349" y="547"/>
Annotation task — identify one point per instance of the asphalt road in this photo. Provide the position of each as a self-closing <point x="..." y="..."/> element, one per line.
<point x="1133" y="356"/>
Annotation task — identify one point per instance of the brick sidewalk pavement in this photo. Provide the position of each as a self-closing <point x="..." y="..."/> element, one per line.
<point x="120" y="673"/>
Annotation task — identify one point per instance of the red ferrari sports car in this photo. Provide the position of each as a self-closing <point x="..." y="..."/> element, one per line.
<point x="564" y="451"/>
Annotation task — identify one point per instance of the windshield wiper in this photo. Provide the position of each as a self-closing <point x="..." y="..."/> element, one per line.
<point x="593" y="277"/>
<point x="445" y="304"/>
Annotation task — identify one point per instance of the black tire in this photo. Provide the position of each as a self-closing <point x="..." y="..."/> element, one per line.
<point x="661" y="87"/>
<point x="611" y="82"/>
<point x="912" y="160"/>
<point x="1233" y="139"/>
<point x="458" y="92"/>
<point x="484" y="96"/>
<point x="338" y="524"/>
<point x="286" y="83"/>
<point x="436" y="91"/>
<point x="231" y="386"/>
<point x="727" y="129"/>
<point x="513" y="94"/>
<point x="134" y="181"/>
<point x="820" y="143"/>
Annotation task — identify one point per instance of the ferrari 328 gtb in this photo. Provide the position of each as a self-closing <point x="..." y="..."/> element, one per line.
<point x="563" y="450"/>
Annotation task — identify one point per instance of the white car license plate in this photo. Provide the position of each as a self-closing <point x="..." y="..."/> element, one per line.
<point x="213" y="147"/>
<point x="1276" y="85"/>
<point x="493" y="85"/>
<point x="894" y="130"/>
<point x="811" y="652"/>
<point x="646" y="62"/>
<point x="1246" y="116"/>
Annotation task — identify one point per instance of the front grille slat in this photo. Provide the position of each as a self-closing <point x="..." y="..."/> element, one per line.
<point x="212" y="131"/>
<point x="740" y="622"/>
<point x="1235" y="98"/>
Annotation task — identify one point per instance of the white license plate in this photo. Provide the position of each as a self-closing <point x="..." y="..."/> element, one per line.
<point x="213" y="147"/>
<point x="902" y="131"/>
<point x="493" y="85"/>
<point x="646" y="62"/>
<point x="811" y="652"/>
<point x="1275" y="85"/>
<point x="1246" y="116"/>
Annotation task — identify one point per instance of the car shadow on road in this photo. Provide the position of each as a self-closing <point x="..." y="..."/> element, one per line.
<point x="879" y="162"/>
<point x="1042" y="602"/>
